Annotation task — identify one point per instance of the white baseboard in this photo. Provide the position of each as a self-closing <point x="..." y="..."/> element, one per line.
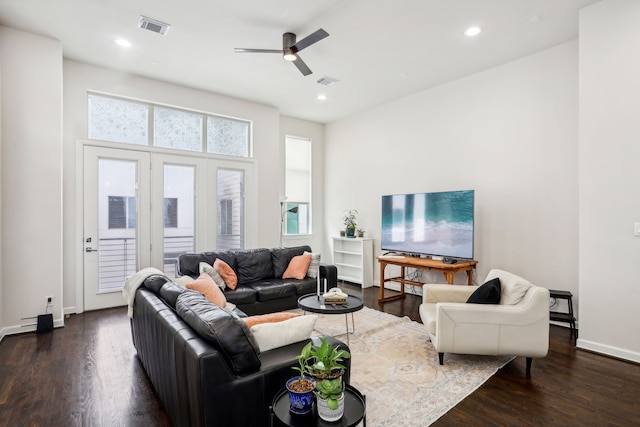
<point x="608" y="350"/>
<point x="21" y="329"/>
<point x="70" y="310"/>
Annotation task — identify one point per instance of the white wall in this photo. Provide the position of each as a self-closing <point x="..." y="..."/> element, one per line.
<point x="509" y="133"/>
<point x="609" y="153"/>
<point x="290" y="126"/>
<point x="80" y="77"/>
<point x="31" y="181"/>
<point x="1" y="205"/>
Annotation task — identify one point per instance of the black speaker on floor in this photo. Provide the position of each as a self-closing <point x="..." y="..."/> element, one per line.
<point x="45" y="323"/>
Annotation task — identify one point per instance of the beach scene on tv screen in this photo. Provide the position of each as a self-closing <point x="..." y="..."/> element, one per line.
<point x="429" y="223"/>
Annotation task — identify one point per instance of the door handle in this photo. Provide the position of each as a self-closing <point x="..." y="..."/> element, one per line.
<point x="90" y="250"/>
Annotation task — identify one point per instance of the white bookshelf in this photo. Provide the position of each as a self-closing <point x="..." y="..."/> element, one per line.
<point x="353" y="258"/>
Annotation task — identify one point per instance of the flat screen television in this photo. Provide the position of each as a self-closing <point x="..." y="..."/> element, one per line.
<point x="437" y="224"/>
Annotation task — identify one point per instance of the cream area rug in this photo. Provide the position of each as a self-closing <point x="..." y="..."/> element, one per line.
<point x="396" y="367"/>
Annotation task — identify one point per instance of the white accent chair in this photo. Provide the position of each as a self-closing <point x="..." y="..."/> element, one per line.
<point x="518" y="326"/>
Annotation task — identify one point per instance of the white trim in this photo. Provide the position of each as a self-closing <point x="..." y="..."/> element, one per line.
<point x="608" y="350"/>
<point x="22" y="329"/>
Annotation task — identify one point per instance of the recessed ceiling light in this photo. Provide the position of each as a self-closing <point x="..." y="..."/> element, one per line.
<point x="123" y="42"/>
<point x="322" y="97"/>
<point x="472" y="31"/>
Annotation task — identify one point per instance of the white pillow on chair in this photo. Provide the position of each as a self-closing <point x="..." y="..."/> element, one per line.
<point x="513" y="287"/>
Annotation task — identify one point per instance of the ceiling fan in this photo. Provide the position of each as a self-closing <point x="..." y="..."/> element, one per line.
<point x="290" y="48"/>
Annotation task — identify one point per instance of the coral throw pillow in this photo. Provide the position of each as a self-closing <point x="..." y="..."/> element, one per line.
<point x="206" y="286"/>
<point x="226" y="272"/>
<point x="298" y="267"/>
<point x="268" y="318"/>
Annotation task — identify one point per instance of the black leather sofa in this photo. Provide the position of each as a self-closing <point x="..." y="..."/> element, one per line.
<point x="261" y="288"/>
<point x="203" y="361"/>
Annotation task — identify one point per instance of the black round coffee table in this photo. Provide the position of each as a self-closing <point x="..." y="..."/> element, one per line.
<point x="315" y="304"/>
<point x="355" y="410"/>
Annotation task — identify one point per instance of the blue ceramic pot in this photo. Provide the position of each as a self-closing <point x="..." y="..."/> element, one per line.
<point x="300" y="403"/>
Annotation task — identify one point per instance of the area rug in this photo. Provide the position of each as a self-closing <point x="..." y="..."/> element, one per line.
<point x="396" y="367"/>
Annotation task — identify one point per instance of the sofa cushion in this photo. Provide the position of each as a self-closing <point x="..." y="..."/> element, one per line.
<point x="155" y="282"/>
<point x="488" y="293"/>
<point x="189" y="264"/>
<point x="282" y="256"/>
<point x="428" y="316"/>
<point x="254" y="264"/>
<point x="226" y="331"/>
<point x="298" y="267"/>
<point x="241" y="295"/>
<point x="170" y="291"/>
<point x="278" y="334"/>
<point x="513" y="287"/>
<point x="226" y="272"/>
<point x="304" y="286"/>
<point x="268" y="290"/>
<point x="206" y="286"/>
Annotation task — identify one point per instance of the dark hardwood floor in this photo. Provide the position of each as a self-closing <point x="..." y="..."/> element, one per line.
<point x="87" y="374"/>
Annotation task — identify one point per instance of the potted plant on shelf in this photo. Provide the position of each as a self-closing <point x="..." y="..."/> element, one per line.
<point x="350" y="222"/>
<point x="301" y="388"/>
<point x="330" y="398"/>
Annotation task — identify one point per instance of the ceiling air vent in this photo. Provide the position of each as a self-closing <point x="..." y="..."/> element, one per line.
<point x="327" y="81"/>
<point x="153" y="25"/>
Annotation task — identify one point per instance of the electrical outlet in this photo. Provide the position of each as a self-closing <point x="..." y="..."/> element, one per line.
<point x="49" y="300"/>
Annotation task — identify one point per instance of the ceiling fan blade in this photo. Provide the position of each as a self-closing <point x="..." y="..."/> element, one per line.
<point x="309" y="40"/>
<point x="299" y="63"/>
<point x="243" y="50"/>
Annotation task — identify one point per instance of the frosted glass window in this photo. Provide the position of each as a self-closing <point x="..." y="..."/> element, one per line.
<point x="177" y="129"/>
<point x="118" y="120"/>
<point x="228" y="136"/>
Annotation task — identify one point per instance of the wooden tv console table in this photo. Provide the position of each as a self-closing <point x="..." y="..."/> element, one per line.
<point x="422" y="263"/>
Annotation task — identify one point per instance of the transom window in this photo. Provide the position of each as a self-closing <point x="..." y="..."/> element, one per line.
<point x="142" y="123"/>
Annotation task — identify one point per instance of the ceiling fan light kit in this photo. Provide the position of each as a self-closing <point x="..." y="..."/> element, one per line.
<point x="290" y="48"/>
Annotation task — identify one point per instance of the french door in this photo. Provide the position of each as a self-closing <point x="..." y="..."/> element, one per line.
<point x="116" y="210"/>
<point x="144" y="209"/>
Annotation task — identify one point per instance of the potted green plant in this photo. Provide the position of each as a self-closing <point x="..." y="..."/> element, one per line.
<point x="330" y="399"/>
<point x="325" y="360"/>
<point x="301" y="388"/>
<point x="350" y="222"/>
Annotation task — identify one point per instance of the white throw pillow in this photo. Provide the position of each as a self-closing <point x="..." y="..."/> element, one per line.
<point x="315" y="264"/>
<point x="278" y="334"/>
<point x="513" y="287"/>
<point x="206" y="268"/>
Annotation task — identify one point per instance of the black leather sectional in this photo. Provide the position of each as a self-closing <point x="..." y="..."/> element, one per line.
<point x="261" y="288"/>
<point x="203" y="361"/>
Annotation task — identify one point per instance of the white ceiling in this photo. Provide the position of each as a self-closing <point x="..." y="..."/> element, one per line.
<point x="379" y="50"/>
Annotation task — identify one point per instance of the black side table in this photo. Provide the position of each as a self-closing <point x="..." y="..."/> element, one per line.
<point x="564" y="317"/>
<point x="315" y="304"/>
<point x="355" y="410"/>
